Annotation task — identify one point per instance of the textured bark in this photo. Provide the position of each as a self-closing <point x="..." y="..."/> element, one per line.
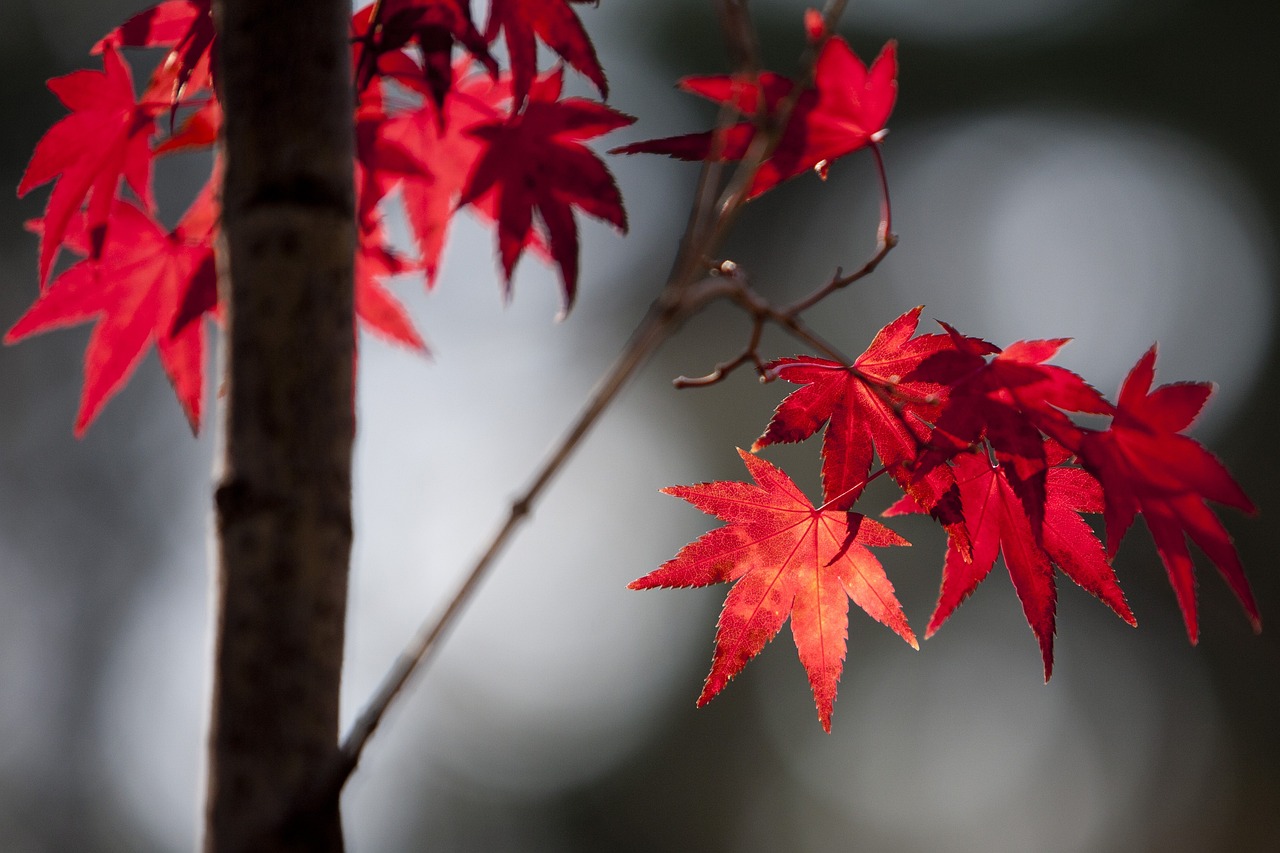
<point x="283" y="501"/>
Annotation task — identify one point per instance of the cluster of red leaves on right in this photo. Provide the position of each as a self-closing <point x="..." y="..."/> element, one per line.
<point x="978" y="437"/>
<point x="981" y="439"/>
<point x="505" y="145"/>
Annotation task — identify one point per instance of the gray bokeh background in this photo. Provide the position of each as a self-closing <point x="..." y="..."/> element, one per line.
<point x="1103" y="169"/>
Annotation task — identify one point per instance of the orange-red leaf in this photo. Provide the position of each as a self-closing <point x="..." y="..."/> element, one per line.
<point x="786" y="559"/>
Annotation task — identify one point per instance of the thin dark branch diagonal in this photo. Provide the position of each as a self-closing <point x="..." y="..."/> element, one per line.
<point x="688" y="289"/>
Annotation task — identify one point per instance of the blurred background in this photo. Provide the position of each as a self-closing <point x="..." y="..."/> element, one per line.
<point x="1103" y="169"/>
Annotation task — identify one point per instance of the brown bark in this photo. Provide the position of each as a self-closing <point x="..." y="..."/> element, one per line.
<point x="283" y="501"/>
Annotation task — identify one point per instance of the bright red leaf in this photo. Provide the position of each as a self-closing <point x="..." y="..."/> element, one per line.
<point x="522" y="22"/>
<point x="997" y="524"/>
<point x="86" y="153"/>
<point x="846" y="110"/>
<point x="785" y="558"/>
<point x="185" y="26"/>
<point x="535" y="160"/>
<point x="871" y="405"/>
<point x="133" y="293"/>
<point x="1147" y="466"/>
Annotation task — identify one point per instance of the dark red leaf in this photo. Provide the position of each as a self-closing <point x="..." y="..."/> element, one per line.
<point x="535" y="160"/>
<point x="523" y="22"/>
<point x="1010" y="401"/>
<point x="435" y="25"/>
<point x="872" y="405"/>
<point x="1146" y="466"/>
<point x="186" y="26"/>
<point x="997" y="524"/>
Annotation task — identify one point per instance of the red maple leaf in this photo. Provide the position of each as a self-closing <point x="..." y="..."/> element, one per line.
<point x="86" y="153"/>
<point x="870" y="405"/>
<point x="552" y="21"/>
<point x="434" y="24"/>
<point x="997" y="524"/>
<point x="134" y="293"/>
<point x="185" y="26"/>
<point x="845" y="110"/>
<point x="1147" y="466"/>
<point x="536" y="160"/>
<point x="1011" y="400"/>
<point x="375" y="306"/>
<point x="785" y="558"/>
<point x="427" y="157"/>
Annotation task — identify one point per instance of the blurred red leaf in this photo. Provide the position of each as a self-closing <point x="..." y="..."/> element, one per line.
<point x="435" y="25"/>
<point x="845" y="110"/>
<point x="535" y="160"/>
<point x="87" y="153"/>
<point x="186" y="26"/>
<point x="524" y="22"/>
<point x="133" y="293"/>
<point x="1147" y="466"/>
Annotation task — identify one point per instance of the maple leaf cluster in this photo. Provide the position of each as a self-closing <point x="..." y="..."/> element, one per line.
<point x="986" y="441"/>
<point x="980" y="439"/>
<point x="444" y="133"/>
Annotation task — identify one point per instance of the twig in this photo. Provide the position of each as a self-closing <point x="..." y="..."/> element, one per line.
<point x="660" y="322"/>
<point x="734" y="286"/>
<point x="885" y="242"/>
<point x="679" y="299"/>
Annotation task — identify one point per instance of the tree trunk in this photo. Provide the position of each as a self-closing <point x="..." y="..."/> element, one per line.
<point x="284" y="498"/>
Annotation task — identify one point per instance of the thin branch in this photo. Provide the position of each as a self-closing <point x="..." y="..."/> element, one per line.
<point x="660" y="322"/>
<point x="736" y="288"/>
<point x="740" y="36"/>
<point x="733" y="285"/>
<point x="680" y="297"/>
<point x="750" y="353"/>
<point x="885" y="242"/>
